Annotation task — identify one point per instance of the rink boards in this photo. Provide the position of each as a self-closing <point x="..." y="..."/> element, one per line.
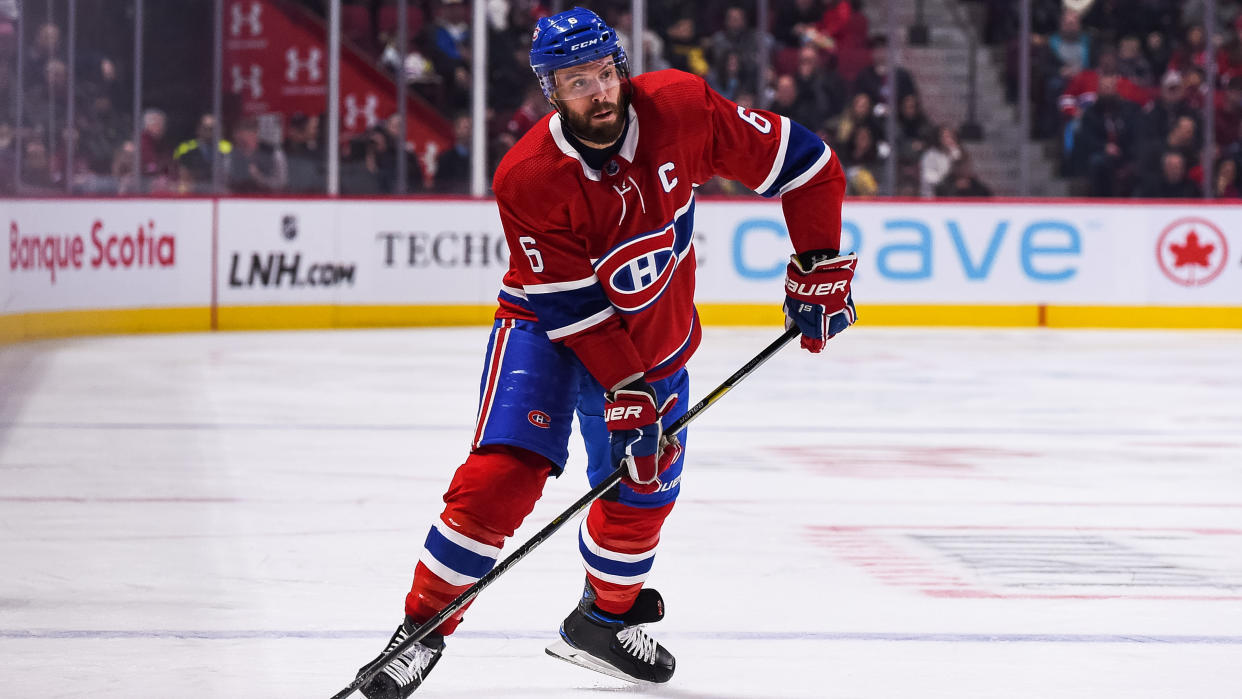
<point x="134" y="265"/>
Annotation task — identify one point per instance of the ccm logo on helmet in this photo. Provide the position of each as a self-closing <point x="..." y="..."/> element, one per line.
<point x="825" y="289"/>
<point x="583" y="45"/>
<point x="622" y="411"/>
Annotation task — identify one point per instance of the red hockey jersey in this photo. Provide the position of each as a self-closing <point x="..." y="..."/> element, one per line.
<point x="604" y="260"/>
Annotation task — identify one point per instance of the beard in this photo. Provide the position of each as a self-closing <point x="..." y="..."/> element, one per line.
<point x="586" y="128"/>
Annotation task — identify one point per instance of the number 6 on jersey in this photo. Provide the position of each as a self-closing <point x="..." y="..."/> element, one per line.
<point x="536" y="259"/>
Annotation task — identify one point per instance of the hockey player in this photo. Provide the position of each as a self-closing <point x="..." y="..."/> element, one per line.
<point x="596" y="316"/>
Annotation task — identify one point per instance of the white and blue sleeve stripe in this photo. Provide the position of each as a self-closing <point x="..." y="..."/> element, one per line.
<point x="568" y="308"/>
<point x="801" y="155"/>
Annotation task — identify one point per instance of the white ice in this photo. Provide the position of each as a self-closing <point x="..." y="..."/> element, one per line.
<point x="914" y="513"/>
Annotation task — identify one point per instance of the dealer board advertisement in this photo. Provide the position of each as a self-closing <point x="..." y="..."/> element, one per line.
<point x="106" y="254"/>
<point x="982" y="253"/>
<point x="444" y="252"/>
<point x="303" y="252"/>
<point x="85" y="254"/>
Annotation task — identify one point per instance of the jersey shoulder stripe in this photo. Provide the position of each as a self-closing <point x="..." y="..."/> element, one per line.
<point x="801" y="152"/>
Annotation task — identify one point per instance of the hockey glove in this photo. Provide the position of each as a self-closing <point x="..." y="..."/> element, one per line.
<point x="818" y="298"/>
<point x="638" y="441"/>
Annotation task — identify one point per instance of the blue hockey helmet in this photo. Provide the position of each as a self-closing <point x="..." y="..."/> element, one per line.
<point x="571" y="38"/>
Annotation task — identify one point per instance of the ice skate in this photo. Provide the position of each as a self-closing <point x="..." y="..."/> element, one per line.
<point x="405" y="673"/>
<point x="616" y="645"/>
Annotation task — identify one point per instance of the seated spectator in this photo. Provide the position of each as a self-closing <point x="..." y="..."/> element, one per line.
<point x="653" y="45"/>
<point x="1161" y="114"/>
<point x="788" y="101"/>
<point x="820" y="84"/>
<point x="1226" y="183"/>
<point x="873" y="79"/>
<point x="961" y="182"/>
<point x="304" y="155"/>
<point x="256" y="166"/>
<point x="738" y="37"/>
<point x="1170" y="181"/>
<point x="1071" y="45"/>
<point x="452" y="29"/>
<point x="914" y="130"/>
<point x="860" y="113"/>
<point x="1193" y="51"/>
<point x="682" y="49"/>
<point x="1080" y="94"/>
<point x="385" y="143"/>
<point x="1107" y="139"/>
<point x="156" y="154"/>
<point x="730" y="76"/>
<point x="1158" y="52"/>
<point x="45" y="48"/>
<point x="795" y="20"/>
<point x="195" y="157"/>
<point x="8" y="160"/>
<point x="48" y="99"/>
<point x="832" y="31"/>
<point x="1228" y="112"/>
<point x="123" y="173"/>
<point x="1229" y="56"/>
<point x="1081" y="90"/>
<point x="37" y="175"/>
<point x="1185" y="139"/>
<point x="452" y="174"/>
<point x="102" y="129"/>
<point x="1132" y="64"/>
<point x="863" y="159"/>
<point x="533" y="107"/>
<point x="938" y="160"/>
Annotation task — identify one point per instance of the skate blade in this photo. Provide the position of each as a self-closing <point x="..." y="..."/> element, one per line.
<point x="564" y="651"/>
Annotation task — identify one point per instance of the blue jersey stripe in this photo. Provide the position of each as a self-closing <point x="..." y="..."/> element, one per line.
<point x="677" y="355"/>
<point x="456" y="558"/>
<point x="805" y="148"/>
<point x="515" y="301"/>
<point x="561" y="309"/>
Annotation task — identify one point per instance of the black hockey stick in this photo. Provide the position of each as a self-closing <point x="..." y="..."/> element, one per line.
<point x="464" y="598"/>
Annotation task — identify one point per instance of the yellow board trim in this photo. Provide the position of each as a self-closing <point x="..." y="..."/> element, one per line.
<point x="48" y="324"/>
<point x="30" y="326"/>
<point x="311" y="317"/>
<point x="1179" y="317"/>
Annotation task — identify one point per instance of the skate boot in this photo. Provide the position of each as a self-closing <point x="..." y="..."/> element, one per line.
<point x="405" y="673"/>
<point x="616" y="645"/>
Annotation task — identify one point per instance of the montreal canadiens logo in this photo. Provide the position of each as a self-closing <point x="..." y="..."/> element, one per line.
<point x="538" y="418"/>
<point x="638" y="271"/>
<point x="1192" y="251"/>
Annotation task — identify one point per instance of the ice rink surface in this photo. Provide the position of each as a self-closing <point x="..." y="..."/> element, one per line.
<point x="915" y="513"/>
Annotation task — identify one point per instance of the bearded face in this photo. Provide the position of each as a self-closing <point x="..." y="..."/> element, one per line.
<point x="592" y="102"/>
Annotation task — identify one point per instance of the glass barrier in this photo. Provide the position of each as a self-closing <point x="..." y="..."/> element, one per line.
<point x="1025" y="98"/>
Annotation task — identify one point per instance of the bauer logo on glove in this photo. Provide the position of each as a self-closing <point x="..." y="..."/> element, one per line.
<point x="818" y="298"/>
<point x="637" y="437"/>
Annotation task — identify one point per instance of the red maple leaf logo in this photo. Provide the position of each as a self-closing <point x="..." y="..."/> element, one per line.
<point x="1192" y="253"/>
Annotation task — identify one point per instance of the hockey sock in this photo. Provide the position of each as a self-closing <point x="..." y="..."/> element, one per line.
<point x="618" y="544"/>
<point x="490" y="495"/>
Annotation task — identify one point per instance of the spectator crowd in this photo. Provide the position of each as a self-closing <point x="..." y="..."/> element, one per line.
<point x="1121" y="87"/>
<point x="1118" y="85"/>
